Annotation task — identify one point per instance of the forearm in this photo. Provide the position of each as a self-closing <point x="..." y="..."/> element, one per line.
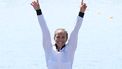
<point x="45" y="30"/>
<point x="42" y="22"/>
<point x="78" y="24"/>
<point x="74" y="34"/>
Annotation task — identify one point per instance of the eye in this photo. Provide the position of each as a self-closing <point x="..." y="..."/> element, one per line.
<point x="63" y="37"/>
<point x="58" y="37"/>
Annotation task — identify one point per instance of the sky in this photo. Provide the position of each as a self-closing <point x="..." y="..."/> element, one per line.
<point x="100" y="37"/>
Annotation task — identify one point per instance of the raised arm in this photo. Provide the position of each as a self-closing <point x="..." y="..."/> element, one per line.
<point x="43" y="25"/>
<point x="72" y="43"/>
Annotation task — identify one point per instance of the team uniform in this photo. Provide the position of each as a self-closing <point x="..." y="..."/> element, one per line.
<point x="62" y="59"/>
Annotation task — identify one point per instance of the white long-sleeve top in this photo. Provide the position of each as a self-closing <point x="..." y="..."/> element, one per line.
<point x="64" y="58"/>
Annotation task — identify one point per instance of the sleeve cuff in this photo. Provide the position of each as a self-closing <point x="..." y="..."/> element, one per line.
<point x="81" y="14"/>
<point x="39" y="12"/>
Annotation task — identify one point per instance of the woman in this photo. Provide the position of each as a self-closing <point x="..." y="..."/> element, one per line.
<point x="60" y="55"/>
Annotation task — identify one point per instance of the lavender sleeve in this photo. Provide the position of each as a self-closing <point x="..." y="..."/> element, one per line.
<point x="72" y="42"/>
<point x="46" y="34"/>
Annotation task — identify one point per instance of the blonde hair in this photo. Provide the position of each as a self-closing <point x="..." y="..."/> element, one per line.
<point x="62" y="30"/>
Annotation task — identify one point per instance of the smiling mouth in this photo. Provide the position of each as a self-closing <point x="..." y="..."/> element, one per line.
<point x="60" y="42"/>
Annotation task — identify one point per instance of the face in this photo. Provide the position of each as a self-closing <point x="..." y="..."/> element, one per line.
<point x="60" y="37"/>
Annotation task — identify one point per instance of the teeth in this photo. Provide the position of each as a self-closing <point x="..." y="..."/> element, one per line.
<point x="60" y="42"/>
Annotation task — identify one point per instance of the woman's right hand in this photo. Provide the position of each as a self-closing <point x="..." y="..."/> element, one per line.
<point x="35" y="5"/>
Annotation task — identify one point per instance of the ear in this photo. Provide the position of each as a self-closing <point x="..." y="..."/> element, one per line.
<point x="66" y="39"/>
<point x="54" y="36"/>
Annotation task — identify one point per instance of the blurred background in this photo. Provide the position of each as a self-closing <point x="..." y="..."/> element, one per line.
<point x="100" y="37"/>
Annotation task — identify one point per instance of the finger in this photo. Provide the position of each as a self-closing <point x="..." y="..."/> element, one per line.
<point x="32" y="3"/>
<point x="37" y="1"/>
<point x="85" y="5"/>
<point x="82" y="2"/>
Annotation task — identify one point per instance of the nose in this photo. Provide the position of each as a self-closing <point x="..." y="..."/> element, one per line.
<point x="61" y="39"/>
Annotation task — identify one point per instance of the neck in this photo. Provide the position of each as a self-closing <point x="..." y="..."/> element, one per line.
<point x="59" y="48"/>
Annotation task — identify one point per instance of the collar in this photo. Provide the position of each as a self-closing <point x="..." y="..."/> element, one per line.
<point x="59" y="49"/>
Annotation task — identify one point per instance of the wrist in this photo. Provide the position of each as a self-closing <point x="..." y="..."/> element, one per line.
<point x="38" y="12"/>
<point x="81" y="14"/>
